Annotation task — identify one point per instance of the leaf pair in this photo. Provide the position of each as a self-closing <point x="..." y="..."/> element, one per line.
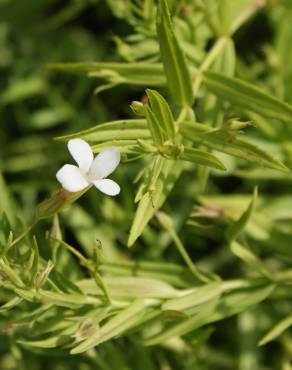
<point x="159" y="119"/>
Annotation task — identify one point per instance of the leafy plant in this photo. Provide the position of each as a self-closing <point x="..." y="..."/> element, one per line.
<point x="165" y="275"/>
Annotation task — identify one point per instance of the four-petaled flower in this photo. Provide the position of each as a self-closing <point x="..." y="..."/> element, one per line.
<point x="90" y="170"/>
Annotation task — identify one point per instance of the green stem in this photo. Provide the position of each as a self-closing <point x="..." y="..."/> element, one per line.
<point x="166" y="222"/>
<point x="22" y="235"/>
<point x="88" y="265"/>
<point x="248" y="13"/>
<point x="193" y="268"/>
<point x="220" y="43"/>
<point x="213" y="53"/>
<point x="83" y="260"/>
<point x="182" y="115"/>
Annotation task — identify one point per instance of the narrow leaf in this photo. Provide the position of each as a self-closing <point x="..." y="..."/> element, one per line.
<point x="227" y="142"/>
<point x="174" y="61"/>
<point x="199" y="296"/>
<point x="114" y="327"/>
<point x="145" y="74"/>
<point x="162" y="112"/>
<point x="247" y="96"/>
<point x="237" y="227"/>
<point x="250" y="258"/>
<point x="154" y="127"/>
<point x="115" y="130"/>
<point x="234" y="302"/>
<point x="276" y="331"/>
<point x="202" y="157"/>
<point x="152" y="201"/>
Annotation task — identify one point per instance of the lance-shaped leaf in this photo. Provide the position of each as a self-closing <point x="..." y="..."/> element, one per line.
<point x="154" y="127"/>
<point x="62" y="299"/>
<point x="227" y="142"/>
<point x="235" y="301"/>
<point x="6" y="202"/>
<point x="247" y="96"/>
<point x="145" y="74"/>
<point x="175" y="275"/>
<point x="129" y="286"/>
<point x="237" y="227"/>
<point x="202" y="157"/>
<point x="34" y="260"/>
<point x="152" y="200"/>
<point x="250" y="258"/>
<point x="10" y="304"/>
<point x="174" y="61"/>
<point x="276" y="331"/>
<point x="63" y="337"/>
<point x="124" y="146"/>
<point x="162" y="112"/>
<point x="129" y="129"/>
<point x="199" y="296"/>
<point x="114" y="327"/>
<point x="9" y="272"/>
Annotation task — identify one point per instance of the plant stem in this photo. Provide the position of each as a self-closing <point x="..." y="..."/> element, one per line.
<point x="182" y="115"/>
<point x="22" y="235"/>
<point x="248" y="13"/>
<point x="215" y="50"/>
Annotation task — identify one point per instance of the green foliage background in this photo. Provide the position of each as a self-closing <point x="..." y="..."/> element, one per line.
<point x="190" y="266"/>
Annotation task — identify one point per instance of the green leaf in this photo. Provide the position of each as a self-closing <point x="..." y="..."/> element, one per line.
<point x="175" y="66"/>
<point x="276" y="331"/>
<point x="233" y="302"/>
<point x="128" y="129"/>
<point x="227" y="142"/>
<point x="162" y="112"/>
<point x="250" y="258"/>
<point x="62" y="338"/>
<point x="6" y="202"/>
<point x="227" y="58"/>
<point x="23" y="89"/>
<point x="247" y="96"/>
<point x="152" y="200"/>
<point x="238" y="300"/>
<point x="237" y="227"/>
<point x="10" y="304"/>
<point x="64" y="299"/>
<point x="35" y="260"/>
<point x="124" y="146"/>
<point x="114" y="327"/>
<point x="201" y="157"/>
<point x="129" y="286"/>
<point x="10" y="273"/>
<point x="154" y="127"/>
<point x="173" y="274"/>
<point x="199" y="296"/>
<point x="185" y="326"/>
<point x="51" y="342"/>
<point x="225" y="15"/>
<point x="138" y="73"/>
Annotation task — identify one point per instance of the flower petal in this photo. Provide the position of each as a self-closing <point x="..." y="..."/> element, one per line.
<point x="107" y="186"/>
<point x="81" y="152"/>
<point x="104" y="163"/>
<point x="71" y="178"/>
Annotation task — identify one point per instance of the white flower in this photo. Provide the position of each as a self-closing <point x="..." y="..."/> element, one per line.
<point x="90" y="170"/>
